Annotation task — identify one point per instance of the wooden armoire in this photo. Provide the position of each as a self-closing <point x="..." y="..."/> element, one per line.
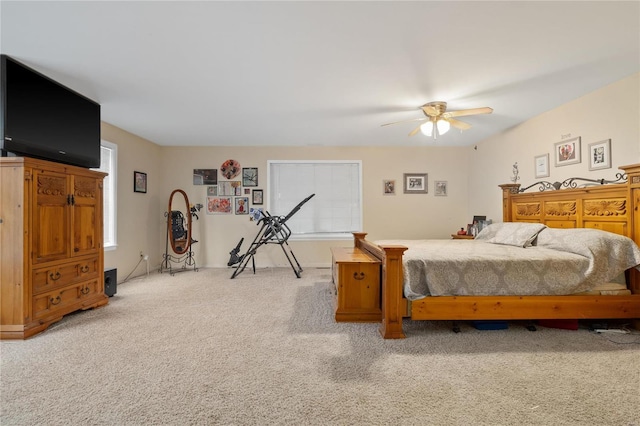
<point x="51" y="253"/>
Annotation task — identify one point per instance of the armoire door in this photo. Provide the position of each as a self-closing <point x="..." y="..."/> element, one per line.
<point x="86" y="218"/>
<point x="51" y="222"/>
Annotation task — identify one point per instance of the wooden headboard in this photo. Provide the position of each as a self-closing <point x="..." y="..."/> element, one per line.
<point x="609" y="207"/>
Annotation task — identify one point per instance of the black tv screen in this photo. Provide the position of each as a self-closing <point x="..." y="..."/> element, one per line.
<point x="44" y="119"/>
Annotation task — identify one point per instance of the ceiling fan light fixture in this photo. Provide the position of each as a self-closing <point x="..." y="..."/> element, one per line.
<point x="439" y="121"/>
<point x="443" y="126"/>
<point x="427" y="128"/>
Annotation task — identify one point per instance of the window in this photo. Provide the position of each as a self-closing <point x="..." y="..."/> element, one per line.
<point x="108" y="164"/>
<point x="336" y="209"/>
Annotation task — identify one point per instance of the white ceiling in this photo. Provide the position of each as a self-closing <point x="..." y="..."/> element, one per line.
<point x="322" y="73"/>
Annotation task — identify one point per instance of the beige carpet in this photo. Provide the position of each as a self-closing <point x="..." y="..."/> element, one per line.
<point x="199" y="348"/>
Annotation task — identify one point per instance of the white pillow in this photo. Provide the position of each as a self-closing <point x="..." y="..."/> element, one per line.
<point x="519" y="234"/>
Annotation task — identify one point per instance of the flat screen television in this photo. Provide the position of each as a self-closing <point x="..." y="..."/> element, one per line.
<point x="43" y="119"/>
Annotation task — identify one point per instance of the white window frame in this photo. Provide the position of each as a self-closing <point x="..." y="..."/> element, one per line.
<point x="295" y="234"/>
<point x="109" y="196"/>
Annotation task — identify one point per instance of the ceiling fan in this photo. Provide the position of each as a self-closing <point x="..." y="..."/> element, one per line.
<point x="439" y="120"/>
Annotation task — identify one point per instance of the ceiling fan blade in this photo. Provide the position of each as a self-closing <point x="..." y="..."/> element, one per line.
<point x="414" y="131"/>
<point x="463" y="112"/>
<point x="458" y="124"/>
<point x="403" y="121"/>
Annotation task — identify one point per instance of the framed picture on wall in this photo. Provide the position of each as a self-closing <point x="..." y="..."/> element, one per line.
<point x="205" y="176"/>
<point x="541" y="164"/>
<point x="256" y="213"/>
<point x="440" y="188"/>
<point x="567" y="152"/>
<point x="250" y="176"/>
<point x="218" y="205"/>
<point x="600" y="155"/>
<point x="257" y="196"/>
<point x="389" y="187"/>
<point x="139" y="182"/>
<point x="242" y="205"/>
<point x="415" y="183"/>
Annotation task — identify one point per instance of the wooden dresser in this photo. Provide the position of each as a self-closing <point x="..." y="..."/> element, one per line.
<point x="51" y="252"/>
<point x="356" y="276"/>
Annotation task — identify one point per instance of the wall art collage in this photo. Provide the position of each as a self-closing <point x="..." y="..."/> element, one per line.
<point x="237" y="194"/>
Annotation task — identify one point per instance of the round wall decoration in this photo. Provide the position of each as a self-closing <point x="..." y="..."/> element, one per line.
<point x="230" y="169"/>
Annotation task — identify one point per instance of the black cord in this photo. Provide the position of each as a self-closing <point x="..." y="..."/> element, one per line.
<point x="134" y="268"/>
<point x="628" y="333"/>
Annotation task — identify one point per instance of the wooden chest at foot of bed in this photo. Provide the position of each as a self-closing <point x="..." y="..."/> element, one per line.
<point x="356" y="276"/>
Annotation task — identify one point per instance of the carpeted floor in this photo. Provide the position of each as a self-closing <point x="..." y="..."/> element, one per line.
<point x="199" y="348"/>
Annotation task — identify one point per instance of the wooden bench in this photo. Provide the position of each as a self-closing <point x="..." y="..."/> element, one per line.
<point x="356" y="276"/>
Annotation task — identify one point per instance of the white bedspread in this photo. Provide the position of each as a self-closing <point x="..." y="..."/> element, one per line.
<point x="562" y="262"/>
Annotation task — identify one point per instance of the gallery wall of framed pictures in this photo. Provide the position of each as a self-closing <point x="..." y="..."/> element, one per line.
<point x="416" y="183"/>
<point x="230" y="189"/>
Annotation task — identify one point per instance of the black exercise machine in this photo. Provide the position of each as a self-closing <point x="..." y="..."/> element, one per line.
<point x="273" y="230"/>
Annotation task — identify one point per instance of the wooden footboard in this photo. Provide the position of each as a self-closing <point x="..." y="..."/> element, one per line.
<point x="394" y="305"/>
<point x="613" y="208"/>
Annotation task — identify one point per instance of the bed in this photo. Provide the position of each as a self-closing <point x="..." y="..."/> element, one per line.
<point x="545" y="211"/>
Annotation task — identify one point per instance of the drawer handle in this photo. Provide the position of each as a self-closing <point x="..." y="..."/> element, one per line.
<point x="56" y="300"/>
<point x="55" y="277"/>
<point x="85" y="290"/>
<point x="84" y="269"/>
<point x="358" y="276"/>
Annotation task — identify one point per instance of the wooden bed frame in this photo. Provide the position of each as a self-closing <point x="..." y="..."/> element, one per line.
<point x="610" y="207"/>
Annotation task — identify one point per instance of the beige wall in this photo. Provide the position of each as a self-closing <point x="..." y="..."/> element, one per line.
<point x="612" y="112"/>
<point x="473" y="176"/>
<point x="398" y="216"/>
<point x="137" y="219"/>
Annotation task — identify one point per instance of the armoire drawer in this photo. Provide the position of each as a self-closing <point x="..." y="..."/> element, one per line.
<point x="61" y="275"/>
<point x="49" y="302"/>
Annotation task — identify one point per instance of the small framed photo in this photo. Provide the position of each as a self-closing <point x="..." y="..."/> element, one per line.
<point x="256" y="196"/>
<point x="250" y="176"/>
<point x="541" y="166"/>
<point x="415" y="183"/>
<point x="600" y="155"/>
<point x="212" y="190"/>
<point x="242" y="205"/>
<point x="567" y="152"/>
<point x="389" y="187"/>
<point x="139" y="182"/>
<point x="440" y="188"/>
<point x="478" y="219"/>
